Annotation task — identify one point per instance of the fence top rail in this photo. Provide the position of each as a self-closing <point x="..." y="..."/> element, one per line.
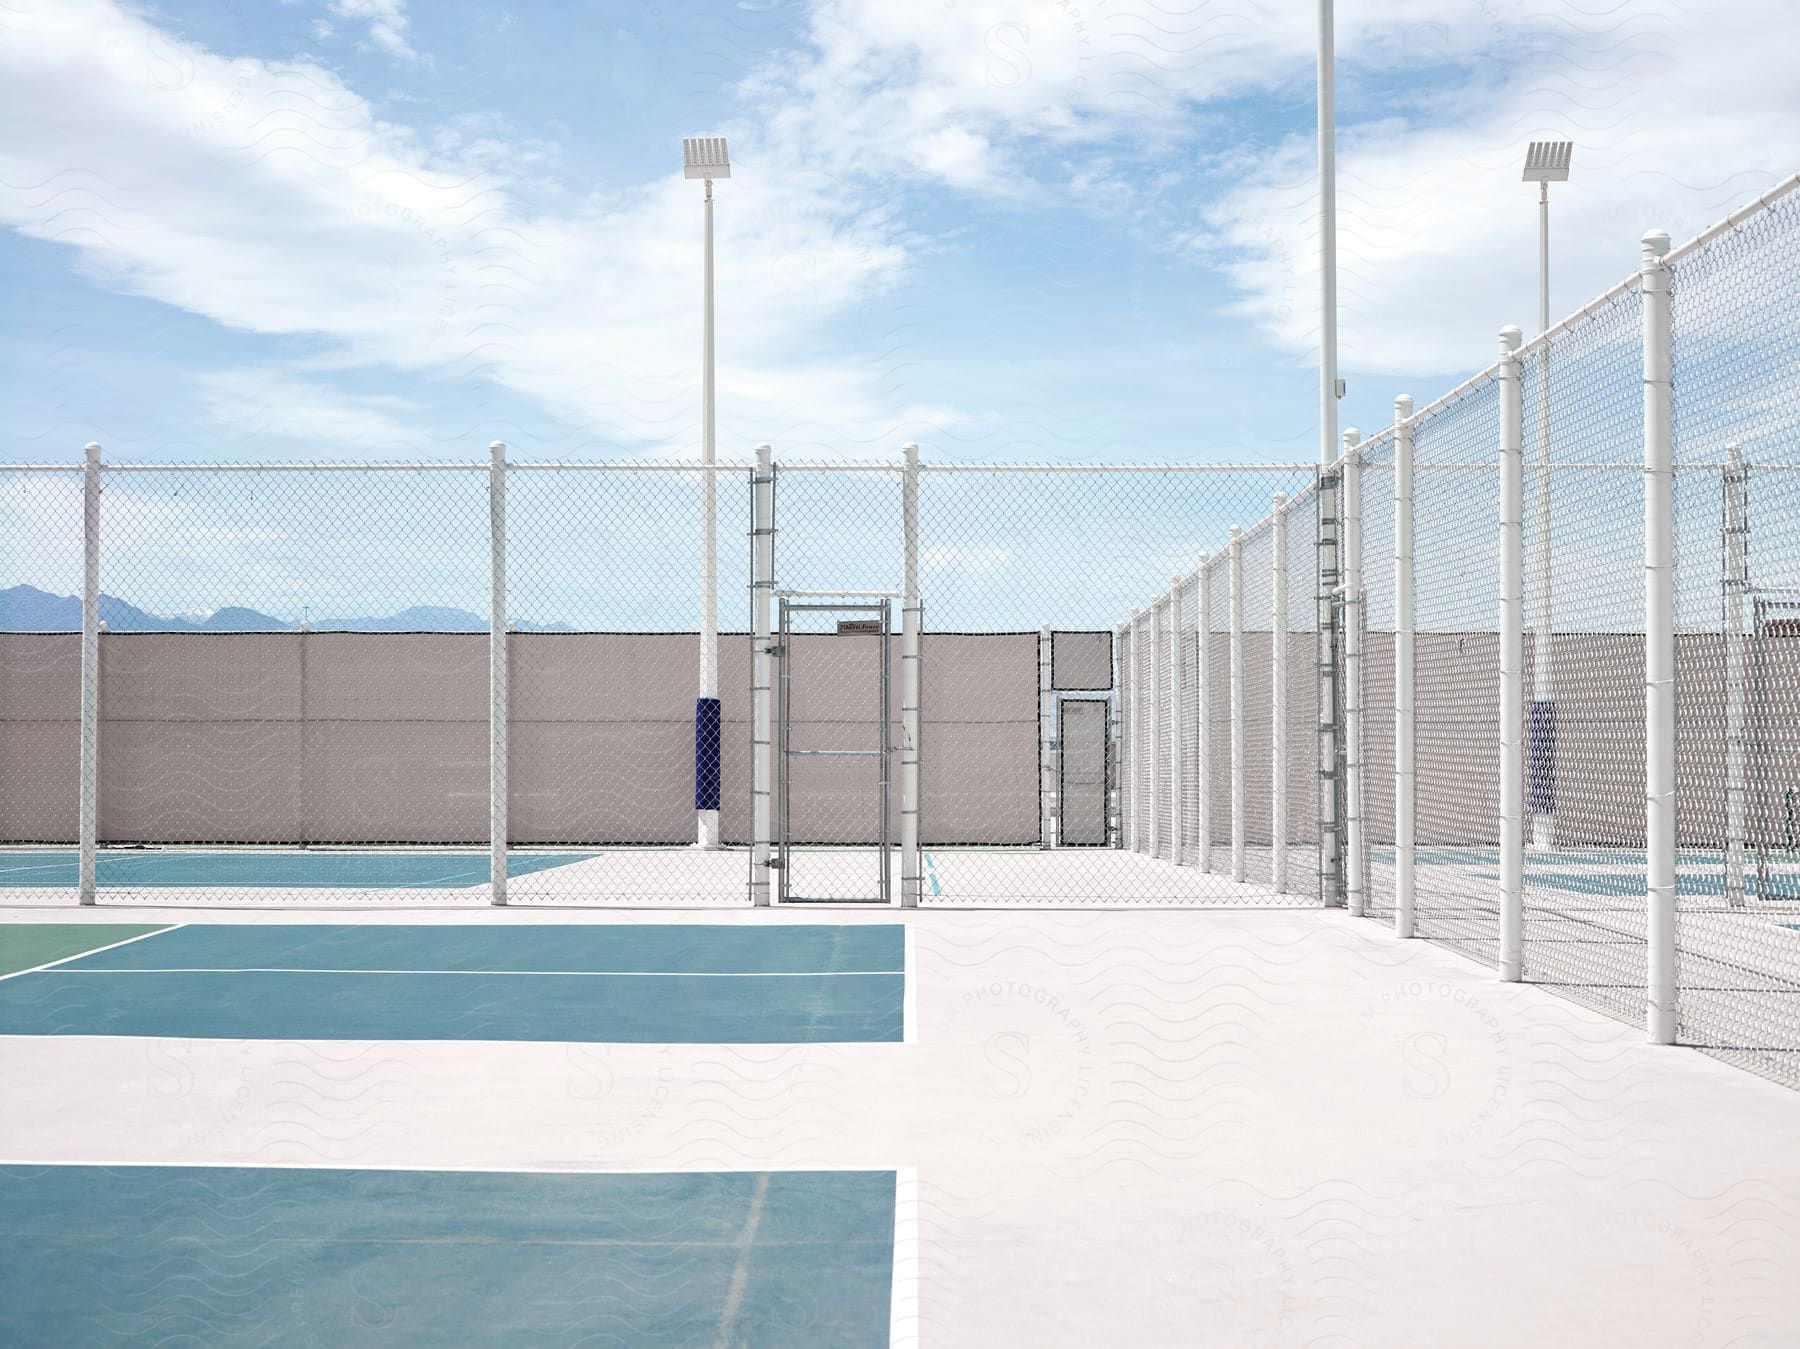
<point x="652" y="466"/>
<point x="1118" y="468"/>
<point x="440" y="466"/>
<point x="1576" y="466"/>
<point x="1732" y="221"/>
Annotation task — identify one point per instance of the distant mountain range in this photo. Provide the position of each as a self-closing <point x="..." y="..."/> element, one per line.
<point x="28" y="609"/>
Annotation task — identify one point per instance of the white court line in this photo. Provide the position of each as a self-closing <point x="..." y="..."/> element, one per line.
<point x="584" y="974"/>
<point x="909" y="997"/>
<point x="92" y="951"/>
<point x="903" y="1296"/>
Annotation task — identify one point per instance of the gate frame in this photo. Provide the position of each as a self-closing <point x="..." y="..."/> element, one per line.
<point x="880" y="603"/>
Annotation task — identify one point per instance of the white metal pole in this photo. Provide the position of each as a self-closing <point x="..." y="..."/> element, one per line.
<point x="1736" y="588"/>
<point x="1046" y="761"/>
<point x="1543" y="772"/>
<point x="1177" y="806"/>
<point x="1405" y="729"/>
<point x="1239" y="813"/>
<point x="1512" y="662"/>
<point x="706" y="707"/>
<point x="1128" y="740"/>
<point x="1278" y="693"/>
<point x="90" y="673"/>
<point x="1328" y="375"/>
<point x="1203" y="821"/>
<point x="497" y="702"/>
<point x="1119" y="752"/>
<point x="1159" y="692"/>
<point x="762" y="675"/>
<point x="911" y="709"/>
<point x="1356" y="896"/>
<point x="1659" y="641"/>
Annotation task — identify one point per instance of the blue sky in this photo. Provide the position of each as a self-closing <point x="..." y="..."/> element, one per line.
<point x="1028" y="229"/>
<point x="1025" y="230"/>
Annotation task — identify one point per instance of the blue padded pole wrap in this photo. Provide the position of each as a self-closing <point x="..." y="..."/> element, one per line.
<point x="706" y="754"/>
<point x="1541" y="781"/>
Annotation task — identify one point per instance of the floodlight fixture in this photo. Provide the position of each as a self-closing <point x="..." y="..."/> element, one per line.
<point x="1545" y="161"/>
<point x="705" y="157"/>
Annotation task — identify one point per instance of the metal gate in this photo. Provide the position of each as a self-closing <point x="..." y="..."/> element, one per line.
<point x="833" y="747"/>
<point x="1082" y="788"/>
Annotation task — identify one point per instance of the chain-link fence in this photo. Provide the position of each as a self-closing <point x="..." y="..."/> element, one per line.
<point x="1547" y="762"/>
<point x="1736" y="430"/>
<point x="1530" y="658"/>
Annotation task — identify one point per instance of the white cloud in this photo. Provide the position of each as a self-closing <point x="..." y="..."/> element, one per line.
<point x="1438" y="235"/>
<point x="272" y="198"/>
<point x="279" y="405"/>
<point x="387" y="23"/>
<point x="974" y="561"/>
<point x="1680" y="111"/>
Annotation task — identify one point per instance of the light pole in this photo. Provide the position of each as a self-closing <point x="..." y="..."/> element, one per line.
<point x="1330" y="387"/>
<point x="1546" y="162"/>
<point x="704" y="157"/>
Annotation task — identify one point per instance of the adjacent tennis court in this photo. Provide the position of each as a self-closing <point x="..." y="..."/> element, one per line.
<point x="630" y="984"/>
<point x="242" y="1255"/>
<point x="269" y="869"/>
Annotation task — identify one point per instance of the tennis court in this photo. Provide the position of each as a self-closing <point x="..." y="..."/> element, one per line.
<point x="631" y="985"/>
<point x="1208" y="1128"/>
<point x="246" y="1255"/>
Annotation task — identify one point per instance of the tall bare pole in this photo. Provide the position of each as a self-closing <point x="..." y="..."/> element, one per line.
<point x="1328" y="354"/>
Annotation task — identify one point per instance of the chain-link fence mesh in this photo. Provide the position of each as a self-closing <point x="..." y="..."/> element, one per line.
<point x="1736" y="395"/>
<point x="1090" y="553"/>
<point x="1583" y="877"/>
<point x="1256" y="712"/>
<point x="1188" y="710"/>
<point x="40" y="675"/>
<point x="1301" y="786"/>
<point x="1456" y="672"/>
<point x="1376" y="614"/>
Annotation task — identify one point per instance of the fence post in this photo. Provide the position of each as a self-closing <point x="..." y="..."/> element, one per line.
<point x="1512" y="660"/>
<point x="1159" y="712"/>
<point x="1203" y="821"/>
<point x="762" y="674"/>
<point x="1405" y="730"/>
<point x="497" y="701"/>
<point x="1046" y="759"/>
<point x="1278" y="716"/>
<point x="1736" y="586"/>
<point x="1177" y="798"/>
<point x="1129" y="741"/>
<point x="90" y="671"/>
<point x="1239" y="820"/>
<point x="1356" y="897"/>
<point x="911" y="717"/>
<point x="1118" y="758"/>
<point x="1659" y="641"/>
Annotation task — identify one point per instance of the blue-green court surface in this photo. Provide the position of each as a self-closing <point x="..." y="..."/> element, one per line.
<point x="268" y="869"/>
<point x="255" y="1256"/>
<point x="688" y="983"/>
